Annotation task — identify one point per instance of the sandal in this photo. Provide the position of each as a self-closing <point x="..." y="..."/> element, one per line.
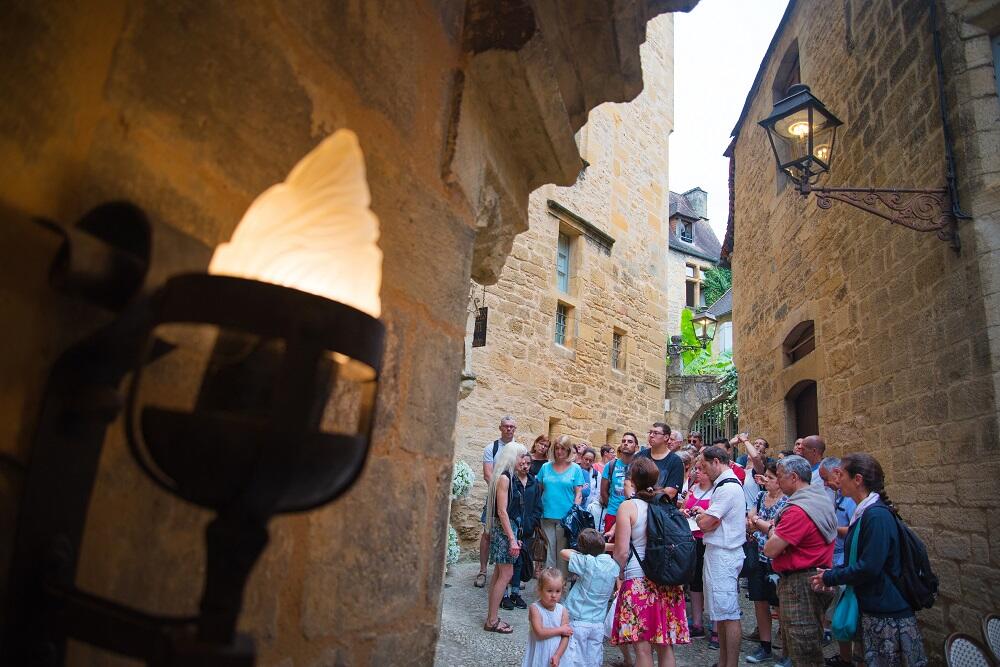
<point x="480" y="580"/>
<point x="500" y="626"/>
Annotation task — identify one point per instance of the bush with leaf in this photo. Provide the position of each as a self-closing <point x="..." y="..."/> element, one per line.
<point x="715" y="282"/>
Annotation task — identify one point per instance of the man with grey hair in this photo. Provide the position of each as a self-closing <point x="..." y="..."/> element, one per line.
<point x="490" y="452"/>
<point x="799" y="542"/>
<point x="843" y="507"/>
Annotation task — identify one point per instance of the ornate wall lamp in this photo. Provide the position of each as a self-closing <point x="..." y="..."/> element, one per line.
<point x="803" y="134"/>
<point x="273" y="359"/>
<point x="704" y="326"/>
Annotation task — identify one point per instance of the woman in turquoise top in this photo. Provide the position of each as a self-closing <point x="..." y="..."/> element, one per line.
<point x="562" y="487"/>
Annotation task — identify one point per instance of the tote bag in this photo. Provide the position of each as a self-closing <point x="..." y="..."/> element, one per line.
<point x="844" y="624"/>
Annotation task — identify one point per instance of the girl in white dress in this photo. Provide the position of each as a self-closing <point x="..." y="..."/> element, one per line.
<point x="550" y="630"/>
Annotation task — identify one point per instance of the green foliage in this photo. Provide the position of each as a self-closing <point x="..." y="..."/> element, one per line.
<point x="688" y="337"/>
<point x="703" y="364"/>
<point x="715" y="283"/>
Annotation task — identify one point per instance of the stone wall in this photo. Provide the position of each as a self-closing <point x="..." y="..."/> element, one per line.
<point x="190" y="110"/>
<point x="521" y="371"/>
<point x="906" y="351"/>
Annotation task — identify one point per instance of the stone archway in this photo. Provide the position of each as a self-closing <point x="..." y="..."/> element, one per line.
<point x="688" y="397"/>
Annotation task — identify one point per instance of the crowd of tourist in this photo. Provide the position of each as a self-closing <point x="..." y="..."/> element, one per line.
<point x="799" y="527"/>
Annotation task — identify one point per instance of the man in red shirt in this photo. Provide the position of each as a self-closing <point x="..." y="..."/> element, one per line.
<point x="800" y="541"/>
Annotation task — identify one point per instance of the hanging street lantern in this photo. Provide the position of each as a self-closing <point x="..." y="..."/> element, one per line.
<point x="704" y="327"/>
<point x="704" y="324"/>
<point x="803" y="132"/>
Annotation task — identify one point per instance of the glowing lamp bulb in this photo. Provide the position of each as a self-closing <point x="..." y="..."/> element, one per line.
<point x="314" y="232"/>
<point x="799" y="128"/>
<point x="823" y="152"/>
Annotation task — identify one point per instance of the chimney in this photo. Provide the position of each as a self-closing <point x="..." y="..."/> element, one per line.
<point x="698" y="201"/>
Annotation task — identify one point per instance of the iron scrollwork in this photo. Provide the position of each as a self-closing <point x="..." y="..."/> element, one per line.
<point x="919" y="210"/>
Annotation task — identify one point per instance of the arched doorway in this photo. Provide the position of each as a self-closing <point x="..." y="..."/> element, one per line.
<point x="802" y="409"/>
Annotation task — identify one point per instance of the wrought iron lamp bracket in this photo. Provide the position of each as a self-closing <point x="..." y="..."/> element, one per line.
<point x="676" y="347"/>
<point x="927" y="210"/>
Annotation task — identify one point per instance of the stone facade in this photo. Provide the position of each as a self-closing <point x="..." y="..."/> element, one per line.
<point x="700" y="252"/>
<point x="190" y="110"/>
<point x="906" y="356"/>
<point x="615" y="218"/>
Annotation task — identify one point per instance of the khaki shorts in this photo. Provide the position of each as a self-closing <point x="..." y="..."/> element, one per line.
<point x="722" y="572"/>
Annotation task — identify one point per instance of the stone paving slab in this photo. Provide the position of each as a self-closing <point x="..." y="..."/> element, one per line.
<point x="464" y="643"/>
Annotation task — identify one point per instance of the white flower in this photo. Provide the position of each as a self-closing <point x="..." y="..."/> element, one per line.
<point x="462" y="480"/>
<point x="453" y="549"/>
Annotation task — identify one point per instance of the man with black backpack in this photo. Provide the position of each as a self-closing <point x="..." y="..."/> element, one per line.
<point x="724" y="525"/>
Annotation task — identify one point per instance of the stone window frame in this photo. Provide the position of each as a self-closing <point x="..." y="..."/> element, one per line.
<point x="799" y="343"/>
<point x="619" y="350"/>
<point x="693" y="278"/>
<point x="566" y="330"/>
<point x="686" y="232"/>
<point x="564" y="265"/>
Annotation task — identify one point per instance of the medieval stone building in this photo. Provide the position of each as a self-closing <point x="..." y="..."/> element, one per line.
<point x="694" y="248"/>
<point x="880" y="338"/>
<point x="189" y="110"/>
<point x="577" y="324"/>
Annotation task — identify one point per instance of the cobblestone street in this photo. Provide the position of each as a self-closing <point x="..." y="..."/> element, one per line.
<point x="463" y="643"/>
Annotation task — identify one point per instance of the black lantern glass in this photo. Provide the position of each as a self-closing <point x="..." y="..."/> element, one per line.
<point x="704" y="327"/>
<point x="802" y="132"/>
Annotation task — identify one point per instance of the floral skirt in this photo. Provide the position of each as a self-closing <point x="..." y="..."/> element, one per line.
<point x="648" y="612"/>
<point x="891" y="642"/>
<point x="499" y="546"/>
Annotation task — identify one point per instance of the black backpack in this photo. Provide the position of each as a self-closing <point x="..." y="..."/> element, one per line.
<point x="575" y="521"/>
<point x="670" y="550"/>
<point x="916" y="581"/>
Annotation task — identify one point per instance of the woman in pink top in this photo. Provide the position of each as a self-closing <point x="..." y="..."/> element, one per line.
<point x="700" y="494"/>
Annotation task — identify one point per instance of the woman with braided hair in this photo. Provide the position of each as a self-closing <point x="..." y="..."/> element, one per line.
<point x="888" y="628"/>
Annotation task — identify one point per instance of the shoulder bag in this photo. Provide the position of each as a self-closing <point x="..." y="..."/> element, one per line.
<point x="846" y="616"/>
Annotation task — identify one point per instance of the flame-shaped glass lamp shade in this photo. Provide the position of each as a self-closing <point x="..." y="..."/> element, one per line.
<point x="272" y="380"/>
<point x="802" y="133"/>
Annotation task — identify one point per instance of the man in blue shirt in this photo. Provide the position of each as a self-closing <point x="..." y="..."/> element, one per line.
<point x="615" y="487"/>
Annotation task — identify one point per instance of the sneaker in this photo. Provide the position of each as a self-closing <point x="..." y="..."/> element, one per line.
<point x="713" y="641"/>
<point x="752" y="636"/>
<point x="697" y="631"/>
<point x="506" y="603"/>
<point x="518" y="601"/>
<point x="762" y="655"/>
<point x="784" y="662"/>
